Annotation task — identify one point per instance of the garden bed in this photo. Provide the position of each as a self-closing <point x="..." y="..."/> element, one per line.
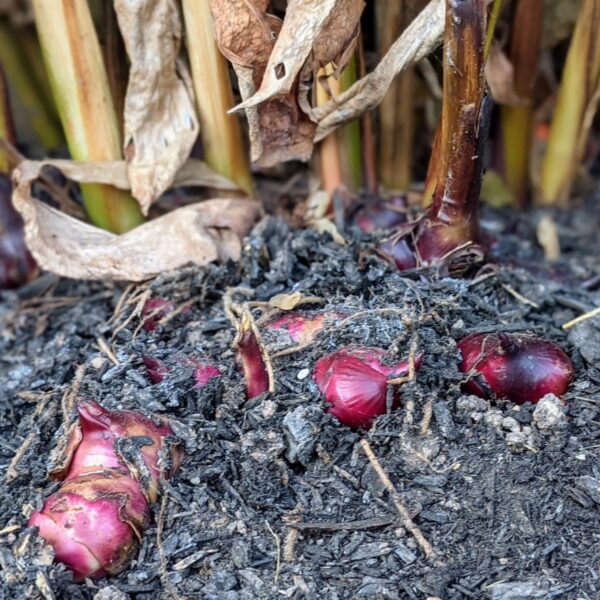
<point x="275" y="499"/>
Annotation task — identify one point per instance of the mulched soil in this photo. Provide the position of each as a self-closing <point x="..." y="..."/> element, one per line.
<point x="276" y="499"/>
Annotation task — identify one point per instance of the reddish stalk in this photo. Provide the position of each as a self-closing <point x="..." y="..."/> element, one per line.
<point x="451" y="220"/>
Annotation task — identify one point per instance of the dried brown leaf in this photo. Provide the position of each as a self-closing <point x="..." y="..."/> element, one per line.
<point x="499" y="74"/>
<point x="279" y="130"/>
<point x="244" y="30"/>
<point x="160" y="120"/>
<point x="417" y="41"/>
<point x="199" y="233"/>
<point x="304" y="21"/>
<point x="193" y="173"/>
<point x="335" y="44"/>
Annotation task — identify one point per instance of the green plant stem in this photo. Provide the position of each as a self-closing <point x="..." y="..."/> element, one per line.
<point x="79" y="82"/>
<point x="577" y="102"/>
<point x="224" y="148"/>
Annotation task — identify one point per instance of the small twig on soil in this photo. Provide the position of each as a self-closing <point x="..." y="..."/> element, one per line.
<point x="376" y="311"/>
<point x="231" y="309"/>
<point x="291" y="537"/>
<point x="411" y="366"/>
<point x="11" y="472"/>
<point x="180" y="308"/>
<point x="43" y="586"/>
<point x="453" y="467"/>
<point x="105" y="348"/>
<point x="482" y="278"/>
<point x="278" y="549"/>
<point x="68" y="400"/>
<point x="347" y="476"/>
<point x="497" y="328"/>
<point x="405" y="517"/>
<point x="588" y="315"/>
<point x="9" y="529"/>
<point x="139" y="307"/>
<point x="427" y="413"/>
<point x="289" y="544"/>
<point x="292" y="350"/>
<point x="121" y="301"/>
<point x="409" y="413"/>
<point x="520" y="297"/>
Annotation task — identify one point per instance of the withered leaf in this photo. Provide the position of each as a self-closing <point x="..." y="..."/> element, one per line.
<point x="279" y="130"/>
<point x="198" y="233"/>
<point x="160" y="120"/>
<point x="304" y="20"/>
<point x="417" y="41"/>
<point x="244" y="30"/>
<point x="338" y="37"/>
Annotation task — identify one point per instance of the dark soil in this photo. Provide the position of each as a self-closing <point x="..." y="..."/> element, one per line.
<point x="277" y="500"/>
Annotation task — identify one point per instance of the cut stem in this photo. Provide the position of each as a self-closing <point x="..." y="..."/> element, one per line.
<point x="224" y="148"/>
<point x="577" y="102"/>
<point x="452" y="218"/>
<point x="329" y="151"/>
<point x="80" y="85"/>
<point x="433" y="169"/>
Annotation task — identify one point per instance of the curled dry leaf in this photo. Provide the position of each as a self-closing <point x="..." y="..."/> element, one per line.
<point x="327" y="28"/>
<point x="160" y="121"/>
<point x="338" y="38"/>
<point x="417" y="41"/>
<point x="279" y="130"/>
<point x="198" y="233"/>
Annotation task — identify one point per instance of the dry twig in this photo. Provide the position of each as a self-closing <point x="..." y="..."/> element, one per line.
<point x="405" y="517"/>
<point x="588" y="315"/>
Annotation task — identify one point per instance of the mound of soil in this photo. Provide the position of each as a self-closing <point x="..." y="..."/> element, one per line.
<point x="275" y="498"/>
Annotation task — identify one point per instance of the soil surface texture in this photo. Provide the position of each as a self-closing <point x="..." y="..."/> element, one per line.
<point x="276" y="499"/>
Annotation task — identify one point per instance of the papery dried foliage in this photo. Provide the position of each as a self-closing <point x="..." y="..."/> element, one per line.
<point x="337" y="39"/>
<point x="198" y="233"/>
<point x="327" y="28"/>
<point x="244" y="30"/>
<point x="278" y="129"/>
<point x="418" y="40"/>
<point x="160" y="120"/>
